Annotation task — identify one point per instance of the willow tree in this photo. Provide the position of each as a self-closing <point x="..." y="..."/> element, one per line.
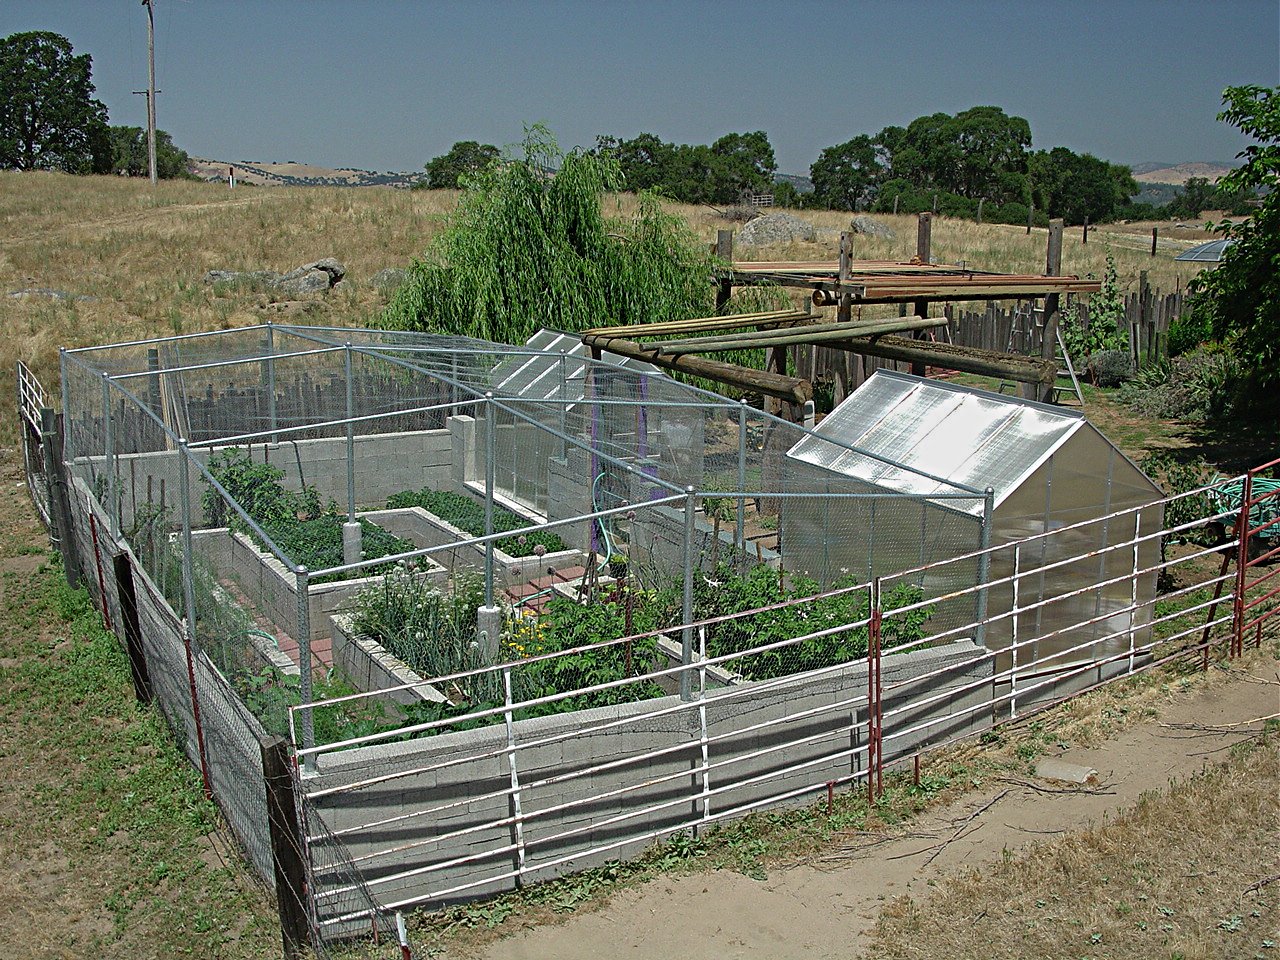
<point x="531" y="245"/>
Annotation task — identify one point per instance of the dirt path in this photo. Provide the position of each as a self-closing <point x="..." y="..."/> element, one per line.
<point x="827" y="907"/>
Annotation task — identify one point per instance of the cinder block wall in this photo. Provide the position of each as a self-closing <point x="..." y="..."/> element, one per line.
<point x="761" y="730"/>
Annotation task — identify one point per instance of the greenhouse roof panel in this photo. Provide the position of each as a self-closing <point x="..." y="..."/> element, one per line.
<point x="913" y="435"/>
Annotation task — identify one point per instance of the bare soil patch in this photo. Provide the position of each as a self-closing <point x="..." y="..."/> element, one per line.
<point x="827" y="905"/>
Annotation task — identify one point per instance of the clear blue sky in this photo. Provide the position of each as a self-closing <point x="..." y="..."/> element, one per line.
<point x="388" y="84"/>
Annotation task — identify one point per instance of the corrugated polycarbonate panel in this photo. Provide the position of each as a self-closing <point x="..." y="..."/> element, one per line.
<point x="538" y="377"/>
<point x="908" y="431"/>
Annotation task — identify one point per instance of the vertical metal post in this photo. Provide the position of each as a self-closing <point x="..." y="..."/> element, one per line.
<point x="686" y="634"/>
<point x="1133" y="591"/>
<point x="1236" y="646"/>
<point x="271" y="381"/>
<point x="702" y="722"/>
<point x="189" y="602"/>
<point x="1013" y="648"/>
<point x="875" y="761"/>
<point x="68" y="446"/>
<point x="740" y="533"/>
<point x="302" y="587"/>
<point x="564" y="405"/>
<point x="113" y="493"/>
<point x="490" y="453"/>
<point x="984" y="565"/>
<point x="351" y="438"/>
<point x="517" y="812"/>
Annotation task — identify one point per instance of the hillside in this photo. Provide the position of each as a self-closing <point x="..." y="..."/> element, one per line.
<point x="290" y="173"/>
<point x="1180" y="173"/>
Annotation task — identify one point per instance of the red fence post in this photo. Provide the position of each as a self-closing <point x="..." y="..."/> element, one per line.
<point x="875" y="713"/>
<point x="1242" y="567"/>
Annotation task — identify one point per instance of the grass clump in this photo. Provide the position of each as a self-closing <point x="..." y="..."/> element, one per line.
<point x="468" y="515"/>
<point x="529" y="246"/>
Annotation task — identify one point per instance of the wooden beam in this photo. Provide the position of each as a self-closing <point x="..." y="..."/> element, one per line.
<point x="675" y="327"/>
<point x="1053" y="267"/>
<point x="791" y="389"/>
<point x="805" y="333"/>
<point x="965" y="359"/>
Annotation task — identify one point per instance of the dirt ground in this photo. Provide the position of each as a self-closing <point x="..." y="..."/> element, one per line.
<point x="828" y="905"/>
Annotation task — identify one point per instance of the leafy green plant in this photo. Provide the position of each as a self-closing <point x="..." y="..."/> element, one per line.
<point x="1089" y="342"/>
<point x="306" y="532"/>
<point x="529" y="246"/>
<point x="467" y="515"/>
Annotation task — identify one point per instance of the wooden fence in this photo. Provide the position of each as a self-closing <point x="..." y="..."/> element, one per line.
<point x="1004" y="327"/>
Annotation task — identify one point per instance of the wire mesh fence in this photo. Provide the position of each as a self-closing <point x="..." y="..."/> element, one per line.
<point x="519" y="611"/>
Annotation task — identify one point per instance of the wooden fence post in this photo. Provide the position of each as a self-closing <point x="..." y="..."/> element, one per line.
<point x="59" y="504"/>
<point x="724" y="250"/>
<point x="1053" y="268"/>
<point x="924" y="241"/>
<point x="123" y="565"/>
<point x="1155" y="233"/>
<point x="286" y="848"/>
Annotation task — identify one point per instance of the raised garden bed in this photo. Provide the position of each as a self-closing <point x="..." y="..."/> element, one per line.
<point x="424" y="529"/>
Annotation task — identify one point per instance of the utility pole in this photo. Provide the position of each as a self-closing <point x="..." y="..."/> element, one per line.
<point x="151" y="89"/>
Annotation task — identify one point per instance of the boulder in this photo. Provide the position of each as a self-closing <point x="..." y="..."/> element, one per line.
<point x="315" y="277"/>
<point x="45" y="292"/>
<point x="870" y="228"/>
<point x="302" y="281"/>
<point x="776" y="228"/>
<point x="389" y="279"/>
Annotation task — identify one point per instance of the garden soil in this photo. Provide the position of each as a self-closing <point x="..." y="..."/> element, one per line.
<point x="827" y="906"/>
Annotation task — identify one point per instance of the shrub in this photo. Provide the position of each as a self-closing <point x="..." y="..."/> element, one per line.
<point x="1188" y="332"/>
<point x="1196" y="386"/>
<point x="1111" y="368"/>
<point x="467" y="515"/>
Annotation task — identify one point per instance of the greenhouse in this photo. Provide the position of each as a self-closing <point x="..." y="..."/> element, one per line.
<point x="1044" y="468"/>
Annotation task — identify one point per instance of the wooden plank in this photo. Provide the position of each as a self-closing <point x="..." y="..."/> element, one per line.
<point x="965" y="359"/>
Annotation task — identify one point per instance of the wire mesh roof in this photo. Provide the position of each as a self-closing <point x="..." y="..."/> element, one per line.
<point x="913" y="429"/>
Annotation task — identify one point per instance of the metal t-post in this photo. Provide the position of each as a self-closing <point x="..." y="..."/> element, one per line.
<point x="303" y="591"/>
<point x="686" y="635"/>
<point x="984" y="565"/>
<point x="271" y="380"/>
<point x="113" y="507"/>
<point x="490" y="448"/>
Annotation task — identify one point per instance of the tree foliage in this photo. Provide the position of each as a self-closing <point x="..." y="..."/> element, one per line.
<point x="529" y="248"/>
<point x="1076" y="186"/>
<point x="129" y="154"/>
<point x="722" y="173"/>
<point x="465" y="158"/>
<point x="845" y="176"/>
<point x="49" y="119"/>
<point x="1241" y="296"/>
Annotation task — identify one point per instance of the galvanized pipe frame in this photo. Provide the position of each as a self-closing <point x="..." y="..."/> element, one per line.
<point x="716" y="401"/>
<point x="631" y="815"/>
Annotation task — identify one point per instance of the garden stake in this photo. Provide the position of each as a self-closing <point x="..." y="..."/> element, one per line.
<point x="405" y="952"/>
<point x="831" y="797"/>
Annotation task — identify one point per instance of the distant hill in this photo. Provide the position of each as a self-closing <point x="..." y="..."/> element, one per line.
<point x="1180" y="173"/>
<point x="290" y="173"/>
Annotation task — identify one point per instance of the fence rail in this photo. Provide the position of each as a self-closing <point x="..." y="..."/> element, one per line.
<point x="470" y="800"/>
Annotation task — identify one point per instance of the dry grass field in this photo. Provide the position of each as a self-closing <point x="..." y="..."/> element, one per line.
<point x="138" y="879"/>
<point x="140" y="254"/>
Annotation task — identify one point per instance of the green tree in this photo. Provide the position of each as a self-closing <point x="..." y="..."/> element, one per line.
<point x="49" y="119"/>
<point x="846" y="174"/>
<point x="1197" y="195"/>
<point x="1078" y="185"/>
<point x="465" y="158"/>
<point x="1241" y="296"/>
<point x="742" y="163"/>
<point x="129" y="154"/>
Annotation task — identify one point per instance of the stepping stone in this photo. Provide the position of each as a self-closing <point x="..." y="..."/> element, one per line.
<point x="1052" y="768"/>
